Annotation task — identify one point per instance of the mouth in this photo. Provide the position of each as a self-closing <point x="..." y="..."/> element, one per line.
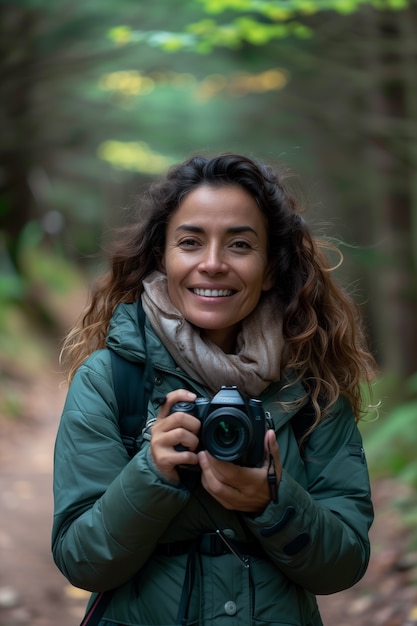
<point x="213" y="293"/>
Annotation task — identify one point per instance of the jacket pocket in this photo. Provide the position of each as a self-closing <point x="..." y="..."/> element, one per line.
<point x="279" y="602"/>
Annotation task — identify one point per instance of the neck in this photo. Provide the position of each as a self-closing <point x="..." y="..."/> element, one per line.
<point x="224" y="339"/>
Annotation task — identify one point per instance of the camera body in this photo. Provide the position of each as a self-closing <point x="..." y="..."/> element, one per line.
<point x="232" y="429"/>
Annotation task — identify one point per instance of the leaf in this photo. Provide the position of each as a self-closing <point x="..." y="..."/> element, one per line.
<point x="120" y="35"/>
<point x="135" y="156"/>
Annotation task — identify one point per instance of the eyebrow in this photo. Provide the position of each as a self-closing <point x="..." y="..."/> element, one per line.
<point x="232" y="230"/>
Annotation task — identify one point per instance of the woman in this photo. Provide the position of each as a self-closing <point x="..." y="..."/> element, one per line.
<point x="236" y="292"/>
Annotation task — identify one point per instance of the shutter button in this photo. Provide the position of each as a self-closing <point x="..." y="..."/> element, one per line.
<point x="230" y="608"/>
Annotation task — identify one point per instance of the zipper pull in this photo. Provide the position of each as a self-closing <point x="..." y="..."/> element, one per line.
<point x="242" y="558"/>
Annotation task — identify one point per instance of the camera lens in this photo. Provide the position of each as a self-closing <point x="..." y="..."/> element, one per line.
<point x="226" y="433"/>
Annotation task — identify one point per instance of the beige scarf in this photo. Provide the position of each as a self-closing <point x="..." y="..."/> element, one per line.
<point x="259" y="345"/>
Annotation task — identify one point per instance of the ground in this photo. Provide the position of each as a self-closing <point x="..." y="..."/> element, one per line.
<point x="32" y="590"/>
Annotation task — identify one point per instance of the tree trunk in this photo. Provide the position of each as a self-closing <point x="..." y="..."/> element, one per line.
<point x="17" y="24"/>
<point x="394" y="297"/>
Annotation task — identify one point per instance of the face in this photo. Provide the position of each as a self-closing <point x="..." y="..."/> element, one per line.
<point x="216" y="260"/>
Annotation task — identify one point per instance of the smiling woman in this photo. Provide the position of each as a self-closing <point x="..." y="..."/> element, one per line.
<point x="216" y="260"/>
<point x="244" y="324"/>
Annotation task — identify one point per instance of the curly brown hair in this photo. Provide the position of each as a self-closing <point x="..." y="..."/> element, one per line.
<point x="325" y="342"/>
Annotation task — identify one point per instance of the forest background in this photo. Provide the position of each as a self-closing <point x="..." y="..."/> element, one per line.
<point x="99" y="97"/>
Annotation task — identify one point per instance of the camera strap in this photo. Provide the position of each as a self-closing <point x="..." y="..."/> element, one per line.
<point x="182" y="616"/>
<point x="272" y="479"/>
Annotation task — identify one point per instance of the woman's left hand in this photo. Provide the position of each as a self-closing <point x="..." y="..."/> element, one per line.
<point x="240" y="488"/>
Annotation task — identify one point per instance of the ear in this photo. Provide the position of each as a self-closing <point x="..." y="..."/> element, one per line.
<point x="161" y="264"/>
<point x="268" y="281"/>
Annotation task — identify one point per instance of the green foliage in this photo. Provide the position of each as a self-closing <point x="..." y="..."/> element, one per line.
<point x="391" y="441"/>
<point x="261" y="22"/>
<point x="133" y="156"/>
<point x="11" y="405"/>
<point x="41" y="270"/>
<point x="23" y="350"/>
<point x="11" y="283"/>
<point x="11" y="288"/>
<point x="209" y="34"/>
<point x="50" y="272"/>
<point x="204" y="36"/>
<point x="274" y="9"/>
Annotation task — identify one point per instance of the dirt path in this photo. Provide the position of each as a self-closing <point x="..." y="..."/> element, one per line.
<point x="33" y="592"/>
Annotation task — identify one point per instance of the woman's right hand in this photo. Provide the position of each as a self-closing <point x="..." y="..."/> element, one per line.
<point x="171" y="430"/>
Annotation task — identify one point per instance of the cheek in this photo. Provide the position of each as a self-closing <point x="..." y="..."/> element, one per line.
<point x="262" y="277"/>
<point x="175" y="273"/>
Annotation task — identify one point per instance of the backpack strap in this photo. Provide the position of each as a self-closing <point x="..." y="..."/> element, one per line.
<point x="132" y="383"/>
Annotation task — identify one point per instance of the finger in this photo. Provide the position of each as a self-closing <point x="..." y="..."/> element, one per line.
<point x="181" y="439"/>
<point x="171" y="447"/>
<point x="273" y="464"/>
<point x="177" y="430"/>
<point x="203" y="460"/>
<point x="225" y="472"/>
<point x="234" y="487"/>
<point x="211" y="483"/>
<point x="235" y="477"/>
<point x="271" y="446"/>
<point x="179" y="395"/>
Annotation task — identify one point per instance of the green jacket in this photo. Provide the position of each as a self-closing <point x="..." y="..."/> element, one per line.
<point x="111" y="512"/>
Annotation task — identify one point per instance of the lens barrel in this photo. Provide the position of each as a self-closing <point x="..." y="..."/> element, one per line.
<point x="226" y="433"/>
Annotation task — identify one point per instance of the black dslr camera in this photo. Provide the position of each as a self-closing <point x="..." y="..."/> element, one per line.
<point x="231" y="429"/>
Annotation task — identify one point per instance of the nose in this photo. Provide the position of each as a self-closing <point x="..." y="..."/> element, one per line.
<point x="213" y="260"/>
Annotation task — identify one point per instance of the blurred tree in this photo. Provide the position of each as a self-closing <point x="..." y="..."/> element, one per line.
<point x="52" y="118"/>
<point x="50" y="55"/>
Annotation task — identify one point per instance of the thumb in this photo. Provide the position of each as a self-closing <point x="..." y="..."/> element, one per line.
<point x="271" y="446"/>
<point x="272" y="463"/>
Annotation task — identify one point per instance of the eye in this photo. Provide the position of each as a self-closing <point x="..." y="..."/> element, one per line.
<point x="188" y="242"/>
<point x="241" y="245"/>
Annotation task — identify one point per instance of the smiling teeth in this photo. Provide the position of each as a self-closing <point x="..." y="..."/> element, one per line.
<point x="213" y="293"/>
